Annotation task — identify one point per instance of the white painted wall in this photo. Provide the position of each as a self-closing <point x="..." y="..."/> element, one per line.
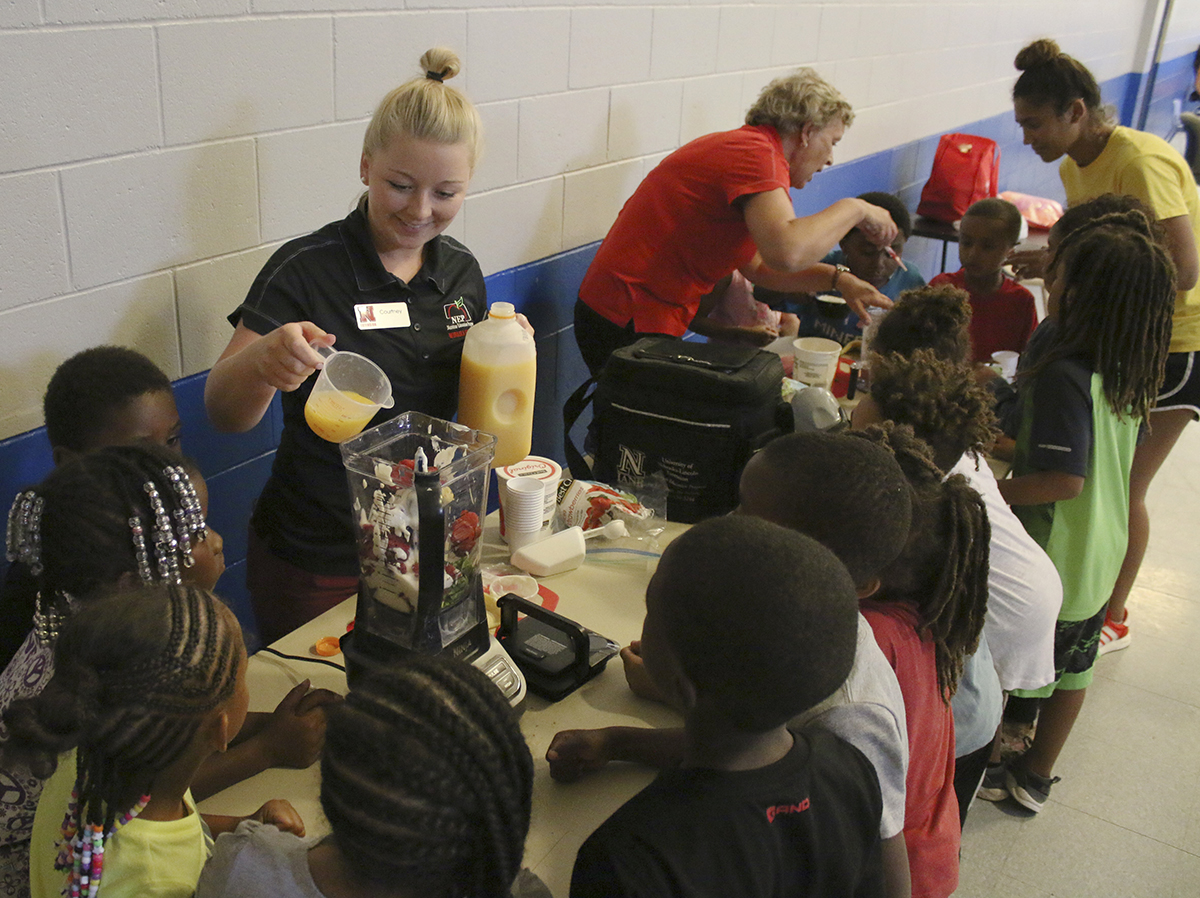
<point x="153" y="154"/>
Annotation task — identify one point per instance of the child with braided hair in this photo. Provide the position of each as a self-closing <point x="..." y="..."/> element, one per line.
<point x="148" y="684"/>
<point x="102" y="396"/>
<point x="426" y="781"/>
<point x="927" y="618"/>
<point x="112" y="519"/>
<point x="940" y="399"/>
<point x="1111" y="295"/>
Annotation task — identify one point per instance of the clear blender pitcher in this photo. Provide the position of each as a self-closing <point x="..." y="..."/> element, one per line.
<point x="418" y="488"/>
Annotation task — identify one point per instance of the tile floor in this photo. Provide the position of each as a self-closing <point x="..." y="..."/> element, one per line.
<point x="1125" y="820"/>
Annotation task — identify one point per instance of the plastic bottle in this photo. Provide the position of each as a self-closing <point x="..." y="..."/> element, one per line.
<point x="495" y="392"/>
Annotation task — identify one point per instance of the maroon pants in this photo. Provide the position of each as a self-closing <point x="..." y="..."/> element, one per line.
<point x="285" y="596"/>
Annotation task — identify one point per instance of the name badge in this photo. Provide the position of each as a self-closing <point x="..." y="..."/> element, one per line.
<point x="377" y="316"/>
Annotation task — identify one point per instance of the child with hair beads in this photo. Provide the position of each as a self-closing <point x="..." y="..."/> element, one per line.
<point x="1004" y="313"/>
<point x="927" y="619"/>
<point x="148" y="683"/>
<point x="816" y="484"/>
<point x="426" y="781"/>
<point x="1111" y="295"/>
<point x="940" y="399"/>
<point x="111" y="519"/>
<point x="753" y="808"/>
<point x="103" y="396"/>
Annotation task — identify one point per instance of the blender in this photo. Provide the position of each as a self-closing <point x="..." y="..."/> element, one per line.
<point x="418" y="488"/>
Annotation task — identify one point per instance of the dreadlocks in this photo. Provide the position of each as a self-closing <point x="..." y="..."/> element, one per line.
<point x="1118" y="296"/>
<point x="943" y="569"/>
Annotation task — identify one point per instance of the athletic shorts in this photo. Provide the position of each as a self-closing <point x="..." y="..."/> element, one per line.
<point x="1181" y="386"/>
<point x="1076" y="644"/>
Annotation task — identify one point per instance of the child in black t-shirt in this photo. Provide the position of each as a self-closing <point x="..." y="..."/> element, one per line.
<point x="747" y="625"/>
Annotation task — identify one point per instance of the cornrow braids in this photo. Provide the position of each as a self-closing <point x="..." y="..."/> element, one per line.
<point x="939" y="399"/>
<point x="943" y="569"/>
<point x="1118" y="298"/>
<point x="427" y="780"/>
<point x="136" y="673"/>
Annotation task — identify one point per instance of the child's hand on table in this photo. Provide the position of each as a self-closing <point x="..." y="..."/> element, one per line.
<point x="635" y="673"/>
<point x="279" y="813"/>
<point x="294" y="733"/>
<point x="573" y="753"/>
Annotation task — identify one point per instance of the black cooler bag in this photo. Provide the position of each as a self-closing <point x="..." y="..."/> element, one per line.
<point x="693" y="411"/>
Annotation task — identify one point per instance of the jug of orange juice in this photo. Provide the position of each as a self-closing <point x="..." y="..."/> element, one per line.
<point x="496" y="383"/>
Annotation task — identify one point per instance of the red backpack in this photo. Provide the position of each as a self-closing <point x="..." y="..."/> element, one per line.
<point x="965" y="169"/>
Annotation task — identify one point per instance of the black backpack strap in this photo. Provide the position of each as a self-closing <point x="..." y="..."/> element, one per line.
<point x="572" y="409"/>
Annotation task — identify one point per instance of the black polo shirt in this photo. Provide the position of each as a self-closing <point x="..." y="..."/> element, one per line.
<point x="303" y="513"/>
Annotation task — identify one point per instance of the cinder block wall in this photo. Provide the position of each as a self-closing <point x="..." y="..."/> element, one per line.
<point x="152" y="155"/>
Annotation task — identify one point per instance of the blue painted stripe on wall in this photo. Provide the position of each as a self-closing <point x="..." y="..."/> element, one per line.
<point x="236" y="466"/>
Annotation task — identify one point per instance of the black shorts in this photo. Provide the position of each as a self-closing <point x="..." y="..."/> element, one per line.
<point x="1076" y="646"/>
<point x="1181" y="386"/>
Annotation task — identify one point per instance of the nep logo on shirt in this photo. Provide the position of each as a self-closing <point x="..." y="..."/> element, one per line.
<point x="776" y="810"/>
<point x="458" y="316"/>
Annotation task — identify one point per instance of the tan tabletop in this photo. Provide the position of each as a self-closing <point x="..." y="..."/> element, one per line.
<point x="603" y="595"/>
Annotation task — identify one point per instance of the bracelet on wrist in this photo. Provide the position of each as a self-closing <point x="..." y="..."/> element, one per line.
<point x="837" y="274"/>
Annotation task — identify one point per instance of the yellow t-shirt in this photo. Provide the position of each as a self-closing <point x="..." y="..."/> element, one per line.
<point x="143" y="859"/>
<point x="1144" y="166"/>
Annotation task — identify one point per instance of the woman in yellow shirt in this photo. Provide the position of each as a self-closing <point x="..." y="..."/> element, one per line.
<point x="1057" y="105"/>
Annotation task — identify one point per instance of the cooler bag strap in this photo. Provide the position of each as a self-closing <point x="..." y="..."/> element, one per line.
<point x="572" y="409"/>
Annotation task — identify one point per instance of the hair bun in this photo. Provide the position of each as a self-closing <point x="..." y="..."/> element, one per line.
<point x="440" y="64"/>
<point x="1038" y="53"/>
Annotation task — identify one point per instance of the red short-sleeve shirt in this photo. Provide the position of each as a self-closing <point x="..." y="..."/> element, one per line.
<point x="931" y="829"/>
<point x="682" y="231"/>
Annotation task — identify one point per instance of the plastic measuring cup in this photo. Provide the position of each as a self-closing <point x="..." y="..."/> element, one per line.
<point x="349" y="391"/>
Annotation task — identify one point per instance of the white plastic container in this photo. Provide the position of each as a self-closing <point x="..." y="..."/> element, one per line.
<point x="816" y="361"/>
<point x="564" y="551"/>
<point x="495" y="392"/>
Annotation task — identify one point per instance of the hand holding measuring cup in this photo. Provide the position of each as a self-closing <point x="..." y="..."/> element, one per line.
<point x="289" y="354"/>
<point x="349" y="391"/>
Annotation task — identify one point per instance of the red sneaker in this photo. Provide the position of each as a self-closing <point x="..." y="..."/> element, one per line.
<point x="1114" y="636"/>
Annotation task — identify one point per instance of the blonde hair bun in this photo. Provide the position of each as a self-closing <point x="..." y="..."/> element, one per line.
<point x="440" y="63"/>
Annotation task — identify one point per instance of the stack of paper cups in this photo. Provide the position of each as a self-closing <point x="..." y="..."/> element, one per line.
<point x="544" y="469"/>
<point x="523" y="510"/>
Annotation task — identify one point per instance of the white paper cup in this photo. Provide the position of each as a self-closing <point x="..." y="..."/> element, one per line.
<point x="1007" y="360"/>
<point x="522" y="499"/>
<point x="518" y="541"/>
<point x="816" y="361"/>
<point x="546" y="470"/>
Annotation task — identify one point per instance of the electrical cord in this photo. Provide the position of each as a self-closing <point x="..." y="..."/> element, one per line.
<point x="280" y="654"/>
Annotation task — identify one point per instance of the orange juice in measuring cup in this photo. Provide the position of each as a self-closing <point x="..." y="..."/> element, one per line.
<point x="495" y="392"/>
<point x="349" y="391"/>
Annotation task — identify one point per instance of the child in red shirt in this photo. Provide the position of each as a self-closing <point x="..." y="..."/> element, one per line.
<point x="1003" y="313"/>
